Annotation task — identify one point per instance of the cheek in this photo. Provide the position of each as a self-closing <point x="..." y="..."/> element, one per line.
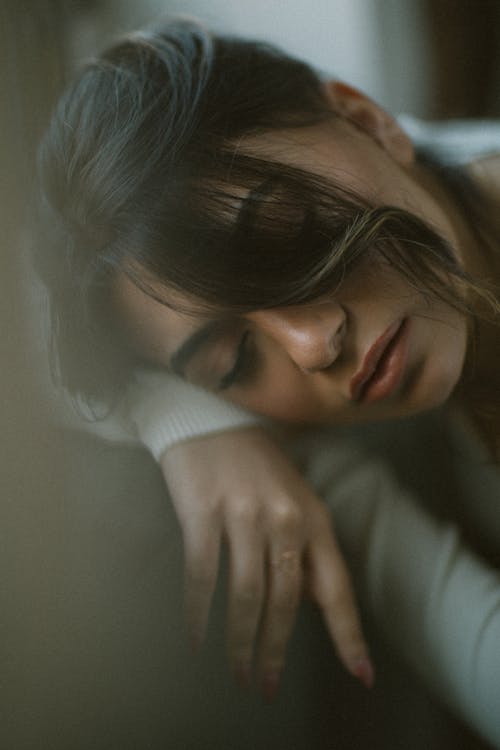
<point x="283" y="393"/>
<point x="449" y="371"/>
<point x="442" y="364"/>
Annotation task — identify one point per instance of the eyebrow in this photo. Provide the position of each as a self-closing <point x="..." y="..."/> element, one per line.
<point x="190" y="346"/>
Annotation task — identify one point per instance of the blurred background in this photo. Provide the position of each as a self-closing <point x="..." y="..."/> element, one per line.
<point x="90" y="631"/>
<point x="430" y="58"/>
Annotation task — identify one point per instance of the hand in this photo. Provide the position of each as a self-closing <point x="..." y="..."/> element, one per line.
<point x="239" y="486"/>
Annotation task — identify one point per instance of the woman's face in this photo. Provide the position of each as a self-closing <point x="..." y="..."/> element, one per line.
<point x="375" y="348"/>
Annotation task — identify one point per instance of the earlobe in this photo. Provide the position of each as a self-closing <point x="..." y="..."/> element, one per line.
<point x="368" y="116"/>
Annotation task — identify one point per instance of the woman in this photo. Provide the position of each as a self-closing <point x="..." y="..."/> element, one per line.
<point x="227" y="216"/>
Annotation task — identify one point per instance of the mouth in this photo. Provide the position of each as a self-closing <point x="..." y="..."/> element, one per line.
<point x="383" y="366"/>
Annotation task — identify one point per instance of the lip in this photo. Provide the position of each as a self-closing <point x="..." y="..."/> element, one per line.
<point x="383" y="366"/>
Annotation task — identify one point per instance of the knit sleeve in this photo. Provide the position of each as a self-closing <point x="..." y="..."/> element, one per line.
<point x="436" y="601"/>
<point x="166" y="410"/>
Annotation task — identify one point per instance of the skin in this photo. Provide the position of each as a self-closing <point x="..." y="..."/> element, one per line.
<point x="307" y="356"/>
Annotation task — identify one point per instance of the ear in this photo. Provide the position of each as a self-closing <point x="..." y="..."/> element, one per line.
<point x="367" y="116"/>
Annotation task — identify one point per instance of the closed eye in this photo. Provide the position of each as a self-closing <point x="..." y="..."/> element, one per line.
<point x="243" y="365"/>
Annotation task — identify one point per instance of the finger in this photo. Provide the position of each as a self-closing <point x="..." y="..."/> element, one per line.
<point x="245" y="595"/>
<point x="285" y="578"/>
<point x="331" y="587"/>
<point x="201" y="553"/>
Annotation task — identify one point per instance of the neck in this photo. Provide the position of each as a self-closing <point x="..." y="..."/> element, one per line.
<point x="464" y="235"/>
<point x="477" y="244"/>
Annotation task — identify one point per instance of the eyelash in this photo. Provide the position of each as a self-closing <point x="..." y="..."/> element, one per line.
<point x="242" y="366"/>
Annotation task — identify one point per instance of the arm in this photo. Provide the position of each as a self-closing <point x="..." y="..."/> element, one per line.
<point x="437" y="603"/>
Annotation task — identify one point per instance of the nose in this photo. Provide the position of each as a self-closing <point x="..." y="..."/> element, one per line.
<point x="311" y="334"/>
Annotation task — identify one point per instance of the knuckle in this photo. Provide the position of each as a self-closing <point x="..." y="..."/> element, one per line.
<point x="246" y="513"/>
<point x="212" y="509"/>
<point x="288" y="566"/>
<point x="286" y="516"/>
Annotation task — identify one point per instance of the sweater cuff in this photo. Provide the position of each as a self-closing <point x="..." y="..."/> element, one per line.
<point x="166" y="410"/>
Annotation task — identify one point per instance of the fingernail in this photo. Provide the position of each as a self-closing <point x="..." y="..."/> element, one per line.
<point x="243" y="674"/>
<point x="270" y="684"/>
<point x="364" y="671"/>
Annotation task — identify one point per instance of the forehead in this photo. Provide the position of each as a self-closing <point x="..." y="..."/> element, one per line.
<point x="150" y="327"/>
<point x="334" y="149"/>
